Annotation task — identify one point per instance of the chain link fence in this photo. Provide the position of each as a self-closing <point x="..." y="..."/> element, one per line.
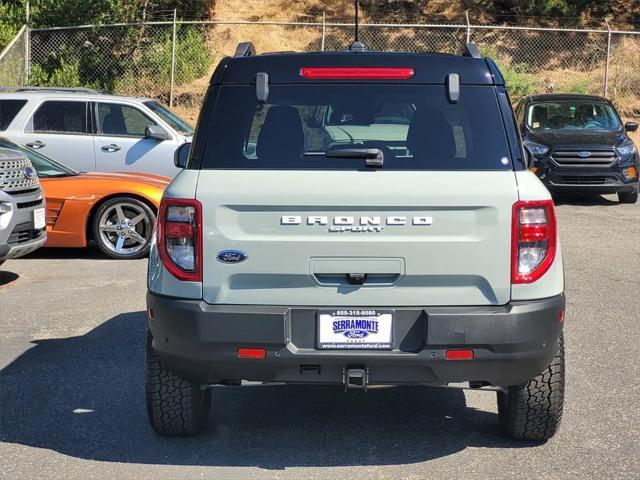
<point x="13" y="60"/>
<point x="173" y="60"/>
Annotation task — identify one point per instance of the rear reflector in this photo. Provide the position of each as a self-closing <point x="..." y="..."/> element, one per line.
<point x="374" y="73"/>
<point x="561" y="316"/>
<point x="252" y="353"/>
<point x="458" y="354"/>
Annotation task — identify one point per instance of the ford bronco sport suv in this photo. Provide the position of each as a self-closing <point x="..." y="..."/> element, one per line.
<point x="579" y="144"/>
<point x="357" y="218"/>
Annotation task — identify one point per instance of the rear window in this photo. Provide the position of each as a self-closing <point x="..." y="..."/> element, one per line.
<point x="415" y="127"/>
<point x="8" y="111"/>
<point x="60" y="116"/>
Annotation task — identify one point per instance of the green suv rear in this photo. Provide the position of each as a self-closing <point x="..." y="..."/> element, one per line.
<point x="356" y="218"/>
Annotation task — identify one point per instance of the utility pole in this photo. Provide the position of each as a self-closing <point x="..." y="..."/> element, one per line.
<point x="27" y="44"/>
<point x="173" y="59"/>
<point x="606" y="64"/>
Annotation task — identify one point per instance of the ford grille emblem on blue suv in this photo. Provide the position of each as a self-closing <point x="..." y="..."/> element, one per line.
<point x="231" y="256"/>
<point x="584" y="154"/>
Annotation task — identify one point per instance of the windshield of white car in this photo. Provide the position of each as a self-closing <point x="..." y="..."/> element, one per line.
<point x="572" y="116"/>
<point x="171" y="118"/>
<point x="45" y="167"/>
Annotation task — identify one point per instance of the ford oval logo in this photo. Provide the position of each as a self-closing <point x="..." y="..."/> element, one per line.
<point x="584" y="154"/>
<point x="28" y="173"/>
<point x="356" y="333"/>
<point x="231" y="256"/>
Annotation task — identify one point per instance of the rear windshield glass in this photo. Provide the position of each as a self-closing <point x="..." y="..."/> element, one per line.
<point x="572" y="116"/>
<point x="8" y="111"/>
<point x="415" y="128"/>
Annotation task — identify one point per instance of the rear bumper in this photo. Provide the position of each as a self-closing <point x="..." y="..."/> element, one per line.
<point x="512" y="343"/>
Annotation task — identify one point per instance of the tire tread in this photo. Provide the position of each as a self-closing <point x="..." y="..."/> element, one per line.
<point x="175" y="406"/>
<point x="533" y="410"/>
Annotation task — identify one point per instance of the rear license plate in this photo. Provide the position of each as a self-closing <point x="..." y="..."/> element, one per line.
<point x="38" y="219"/>
<point x="355" y="329"/>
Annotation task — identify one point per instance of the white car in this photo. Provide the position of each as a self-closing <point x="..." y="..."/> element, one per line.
<point x="92" y="131"/>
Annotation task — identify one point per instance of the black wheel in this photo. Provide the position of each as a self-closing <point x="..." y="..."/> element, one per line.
<point x="533" y="410"/>
<point x="628" y="197"/>
<point x="175" y="406"/>
<point x="122" y="228"/>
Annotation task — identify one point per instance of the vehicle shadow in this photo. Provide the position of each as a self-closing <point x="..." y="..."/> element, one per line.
<point x="6" y="277"/>
<point x="84" y="397"/>
<point x="586" y="200"/>
<point x="89" y="253"/>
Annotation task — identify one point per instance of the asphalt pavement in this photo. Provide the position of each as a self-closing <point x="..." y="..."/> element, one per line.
<point x="72" y="329"/>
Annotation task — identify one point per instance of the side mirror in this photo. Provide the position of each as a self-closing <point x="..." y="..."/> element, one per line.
<point x="156" y="132"/>
<point x="631" y="126"/>
<point x="181" y="156"/>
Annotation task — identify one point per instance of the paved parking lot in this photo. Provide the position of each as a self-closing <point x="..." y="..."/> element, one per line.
<point x="72" y="329"/>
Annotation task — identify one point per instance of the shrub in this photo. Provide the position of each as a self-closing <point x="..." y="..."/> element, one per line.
<point x="520" y="82"/>
<point x="579" y="86"/>
<point x="64" y="75"/>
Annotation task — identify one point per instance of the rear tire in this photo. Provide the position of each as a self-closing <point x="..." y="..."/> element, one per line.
<point x="175" y="406"/>
<point x="533" y="410"/>
<point x="628" y="197"/>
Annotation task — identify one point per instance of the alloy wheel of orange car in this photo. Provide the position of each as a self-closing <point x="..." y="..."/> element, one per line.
<point x="123" y="227"/>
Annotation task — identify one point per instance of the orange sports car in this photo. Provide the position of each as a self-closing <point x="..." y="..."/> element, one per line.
<point x="116" y="210"/>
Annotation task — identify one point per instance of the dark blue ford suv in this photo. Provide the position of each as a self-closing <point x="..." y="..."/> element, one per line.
<point x="579" y="144"/>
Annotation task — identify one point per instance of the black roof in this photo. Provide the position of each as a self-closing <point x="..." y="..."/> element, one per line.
<point x="430" y="68"/>
<point x="565" y="97"/>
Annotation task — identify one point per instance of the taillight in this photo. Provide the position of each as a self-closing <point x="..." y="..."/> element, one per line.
<point x="179" y="237"/>
<point x="372" y="73"/>
<point x="533" y="240"/>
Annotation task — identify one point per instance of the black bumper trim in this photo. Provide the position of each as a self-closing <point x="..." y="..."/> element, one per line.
<point x="199" y="342"/>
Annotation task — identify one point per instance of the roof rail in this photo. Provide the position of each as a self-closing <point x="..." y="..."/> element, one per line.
<point x="51" y="89"/>
<point x="470" y="49"/>
<point x="245" y="49"/>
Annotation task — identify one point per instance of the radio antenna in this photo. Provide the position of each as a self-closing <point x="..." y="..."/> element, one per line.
<point x="356" y="46"/>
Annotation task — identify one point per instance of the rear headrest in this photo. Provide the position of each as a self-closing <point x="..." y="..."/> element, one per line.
<point x="281" y="136"/>
<point x="430" y="138"/>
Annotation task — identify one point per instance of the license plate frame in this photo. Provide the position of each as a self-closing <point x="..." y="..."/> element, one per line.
<point x="39" y="219"/>
<point x="362" y="329"/>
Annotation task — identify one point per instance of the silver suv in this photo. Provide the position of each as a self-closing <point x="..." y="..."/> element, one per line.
<point x="92" y="131"/>
<point x="22" y="207"/>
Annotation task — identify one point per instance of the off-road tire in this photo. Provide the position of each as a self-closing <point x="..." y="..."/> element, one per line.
<point x="628" y="197"/>
<point x="533" y="410"/>
<point x="175" y="406"/>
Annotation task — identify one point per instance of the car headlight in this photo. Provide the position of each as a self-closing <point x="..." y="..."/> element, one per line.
<point x="626" y="149"/>
<point x="535" y="148"/>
